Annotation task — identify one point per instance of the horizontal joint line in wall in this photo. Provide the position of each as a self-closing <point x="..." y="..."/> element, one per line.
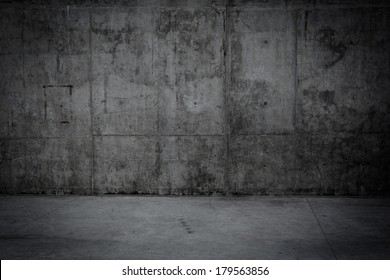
<point x="221" y="7"/>
<point x="308" y="8"/>
<point x="343" y="132"/>
<point x="44" y="137"/>
<point x="52" y="86"/>
<point x="193" y="135"/>
<point x="156" y="135"/>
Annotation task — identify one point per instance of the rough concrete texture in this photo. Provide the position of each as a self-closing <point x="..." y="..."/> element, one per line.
<point x="216" y="227"/>
<point x="195" y="97"/>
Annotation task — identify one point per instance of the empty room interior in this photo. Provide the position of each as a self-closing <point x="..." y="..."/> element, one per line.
<point x="209" y="129"/>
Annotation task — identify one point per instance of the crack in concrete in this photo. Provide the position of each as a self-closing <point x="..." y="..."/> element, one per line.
<point x="43" y="216"/>
<point x="211" y="204"/>
<point x="323" y="232"/>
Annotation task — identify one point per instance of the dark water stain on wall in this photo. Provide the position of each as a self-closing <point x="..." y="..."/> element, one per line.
<point x="200" y="181"/>
<point x="335" y="50"/>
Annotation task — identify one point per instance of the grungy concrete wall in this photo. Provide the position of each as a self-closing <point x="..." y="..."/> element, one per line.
<point x="195" y="97"/>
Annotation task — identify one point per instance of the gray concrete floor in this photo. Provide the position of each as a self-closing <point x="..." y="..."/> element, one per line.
<point x="138" y="227"/>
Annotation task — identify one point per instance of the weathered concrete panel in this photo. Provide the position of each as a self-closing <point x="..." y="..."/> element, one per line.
<point x="159" y="165"/>
<point x="377" y="69"/>
<point x="11" y="36"/>
<point x="12" y="165"/>
<point x="262" y="164"/>
<point x="330" y="164"/>
<point x="157" y="71"/>
<point x="12" y="151"/>
<point x="192" y="165"/>
<point x="58" y="166"/>
<point x="193" y="93"/>
<point x="12" y="97"/>
<point x="262" y="68"/>
<point x="337" y="50"/>
<point x="343" y="164"/>
<point x="46" y="101"/>
<point x="322" y="164"/>
<point x="374" y="176"/>
<point x="126" y="164"/>
<point x="62" y="30"/>
<point x="11" y="72"/>
<point x="56" y="63"/>
<point x="124" y="97"/>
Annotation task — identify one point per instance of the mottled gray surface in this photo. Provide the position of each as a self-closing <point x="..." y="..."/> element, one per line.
<point x="195" y="97"/>
<point x="144" y="227"/>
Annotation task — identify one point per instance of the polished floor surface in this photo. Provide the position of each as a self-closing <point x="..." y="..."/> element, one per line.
<point x="147" y="227"/>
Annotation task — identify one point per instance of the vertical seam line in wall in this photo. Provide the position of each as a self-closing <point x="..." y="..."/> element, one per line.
<point x="294" y="116"/>
<point x="226" y="70"/>
<point x="24" y="84"/>
<point x="91" y="102"/>
<point x="23" y="55"/>
<point x="157" y="86"/>
<point x="322" y="230"/>
<point x="364" y="55"/>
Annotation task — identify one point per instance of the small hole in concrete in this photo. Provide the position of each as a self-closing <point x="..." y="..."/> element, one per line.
<point x="265" y="102"/>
